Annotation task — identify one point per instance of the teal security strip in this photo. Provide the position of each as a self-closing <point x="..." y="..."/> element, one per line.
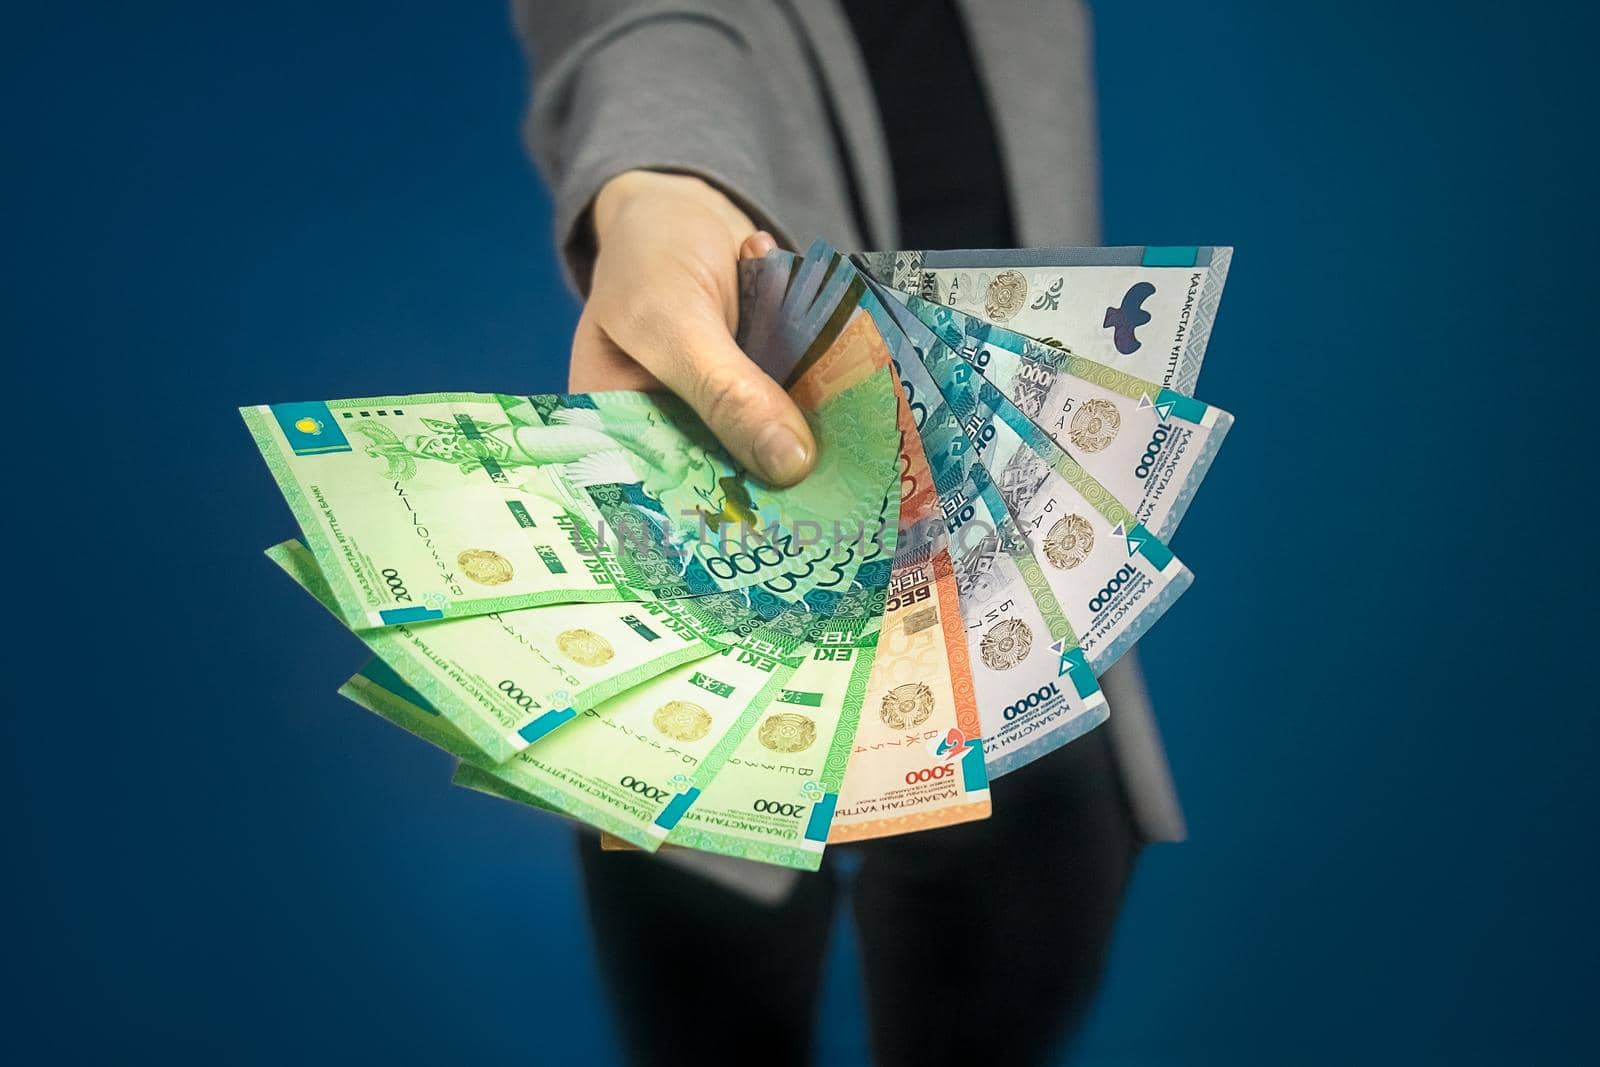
<point x="1076" y="666"/>
<point x="1146" y="544"/>
<point x="545" y="723"/>
<point x="821" y="817"/>
<point x="1170" y="256"/>
<point x="381" y="674"/>
<point x="1177" y="406"/>
<point x="417" y="613"/>
<point x="674" y="810"/>
<point x="974" y="772"/>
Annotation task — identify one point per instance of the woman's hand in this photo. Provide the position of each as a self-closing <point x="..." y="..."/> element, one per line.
<point x="662" y="306"/>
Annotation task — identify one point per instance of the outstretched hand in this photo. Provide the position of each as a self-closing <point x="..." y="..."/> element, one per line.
<point x="663" y="303"/>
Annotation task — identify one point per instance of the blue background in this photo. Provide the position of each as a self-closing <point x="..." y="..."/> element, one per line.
<point x="1374" y="698"/>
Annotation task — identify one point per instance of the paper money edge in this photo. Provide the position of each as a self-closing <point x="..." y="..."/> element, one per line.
<point x="1066" y="362"/>
<point x="835" y="764"/>
<point x="899" y="269"/>
<point x="495" y="781"/>
<point x="974" y="768"/>
<point x="402" y="706"/>
<point x="347" y="604"/>
<point x="295" y="560"/>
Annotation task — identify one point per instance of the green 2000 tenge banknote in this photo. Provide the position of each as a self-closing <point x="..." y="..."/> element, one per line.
<point x="773" y="800"/>
<point x="505" y="680"/>
<point x="452" y="504"/>
<point x="378" y="689"/>
<point x="636" y="763"/>
<point x="1146" y="310"/>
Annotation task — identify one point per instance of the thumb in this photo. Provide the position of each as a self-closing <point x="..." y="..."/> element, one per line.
<point x="694" y="355"/>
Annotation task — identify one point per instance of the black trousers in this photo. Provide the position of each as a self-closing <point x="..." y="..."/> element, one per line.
<point x="980" y="943"/>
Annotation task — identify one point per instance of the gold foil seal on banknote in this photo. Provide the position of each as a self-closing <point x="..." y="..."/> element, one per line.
<point x="1006" y="644"/>
<point x="682" y="720"/>
<point x="787" y="731"/>
<point x="584" y="647"/>
<point x="1069" y="542"/>
<point x="1008" y="292"/>
<point x="485" y="566"/>
<point x="1095" y="425"/>
<point x="906" y="706"/>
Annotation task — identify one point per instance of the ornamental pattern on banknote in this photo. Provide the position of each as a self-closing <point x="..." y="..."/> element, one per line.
<point x="1050" y="299"/>
<point x="644" y="558"/>
<point x="977" y="573"/>
<point x="1112" y="379"/>
<point x="838" y="757"/>
<point x="464" y="444"/>
<point x="795" y="623"/>
<point x="1029" y="396"/>
<point x="862" y="602"/>
<point x="961" y="681"/>
<point x="720" y="612"/>
<point x="1205" y="316"/>
<point x="1033" y="578"/>
<point x="1020" y="479"/>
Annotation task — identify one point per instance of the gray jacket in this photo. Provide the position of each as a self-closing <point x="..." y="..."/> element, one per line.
<point x="770" y="101"/>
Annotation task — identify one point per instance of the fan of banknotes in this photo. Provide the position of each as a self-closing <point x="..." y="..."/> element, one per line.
<point x="585" y="600"/>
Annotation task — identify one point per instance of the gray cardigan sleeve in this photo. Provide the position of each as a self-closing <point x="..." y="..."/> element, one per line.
<point x="619" y="85"/>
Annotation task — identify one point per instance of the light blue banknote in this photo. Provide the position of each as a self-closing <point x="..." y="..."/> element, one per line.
<point x="1037" y="691"/>
<point x="1112" y="576"/>
<point x="1151" y="447"/>
<point x="1143" y="309"/>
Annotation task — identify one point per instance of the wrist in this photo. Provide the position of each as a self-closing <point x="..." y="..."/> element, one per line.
<point x="651" y="191"/>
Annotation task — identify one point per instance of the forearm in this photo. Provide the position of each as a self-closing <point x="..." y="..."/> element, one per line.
<point x="622" y="87"/>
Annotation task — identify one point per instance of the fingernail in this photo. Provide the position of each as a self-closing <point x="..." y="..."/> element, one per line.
<point x="781" y="456"/>
<point x="758" y="244"/>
